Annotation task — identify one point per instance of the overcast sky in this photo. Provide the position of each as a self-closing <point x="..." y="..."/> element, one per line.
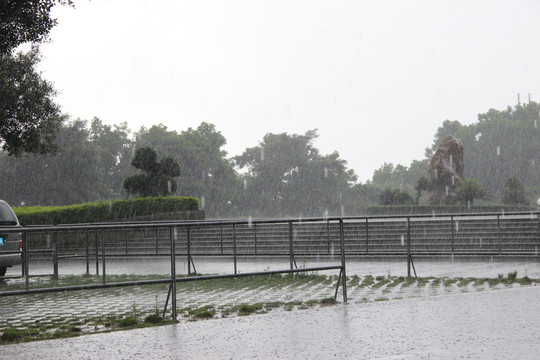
<point x="377" y="78"/>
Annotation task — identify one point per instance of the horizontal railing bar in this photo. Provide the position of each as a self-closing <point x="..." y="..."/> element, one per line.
<point x="206" y="223"/>
<point x="162" y="281"/>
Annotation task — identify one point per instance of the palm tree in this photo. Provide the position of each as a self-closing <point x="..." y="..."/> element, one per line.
<point x="468" y="190"/>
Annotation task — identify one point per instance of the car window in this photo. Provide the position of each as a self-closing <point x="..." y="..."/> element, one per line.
<point x="6" y="215"/>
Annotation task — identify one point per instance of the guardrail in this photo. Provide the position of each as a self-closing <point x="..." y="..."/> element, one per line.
<point x="96" y="234"/>
<point x="408" y="236"/>
<point x="490" y="234"/>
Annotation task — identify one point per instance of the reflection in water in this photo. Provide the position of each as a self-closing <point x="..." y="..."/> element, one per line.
<point x="478" y="325"/>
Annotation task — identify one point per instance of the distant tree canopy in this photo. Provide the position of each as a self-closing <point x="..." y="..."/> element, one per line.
<point x="284" y="175"/>
<point x="287" y="176"/>
<point x="513" y="192"/>
<point x="395" y="197"/>
<point x="157" y="178"/>
<point x="500" y="145"/>
<point x="469" y="190"/>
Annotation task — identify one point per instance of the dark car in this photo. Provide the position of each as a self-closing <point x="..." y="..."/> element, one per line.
<point x="10" y="242"/>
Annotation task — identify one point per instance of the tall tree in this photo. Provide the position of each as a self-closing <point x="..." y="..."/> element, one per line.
<point x="513" y="192"/>
<point x="206" y="172"/>
<point x="29" y="118"/>
<point x="286" y="176"/>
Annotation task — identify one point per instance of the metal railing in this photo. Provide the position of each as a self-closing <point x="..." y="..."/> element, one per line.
<point x="408" y="236"/>
<point x="499" y="234"/>
<point x="95" y="241"/>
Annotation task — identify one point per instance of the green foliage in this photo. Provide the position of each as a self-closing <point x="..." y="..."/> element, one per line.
<point x="469" y="190"/>
<point x="103" y="211"/>
<point x="25" y="21"/>
<point x="440" y="209"/>
<point x="395" y="197"/>
<point x="92" y="161"/>
<point x="286" y="176"/>
<point x="29" y="119"/>
<point x="157" y="179"/>
<point x="513" y="192"/>
<point x="421" y="185"/>
<point x="13" y="335"/>
<point x="206" y="172"/>
<point x="128" y="321"/>
<point x="502" y="144"/>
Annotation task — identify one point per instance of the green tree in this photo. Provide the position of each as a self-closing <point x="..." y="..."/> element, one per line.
<point x="395" y="197"/>
<point x="469" y="190"/>
<point x="29" y="119"/>
<point x="500" y="145"/>
<point x="157" y="178"/>
<point x="26" y="21"/>
<point x="206" y="172"/>
<point x="399" y="176"/>
<point x="513" y="192"/>
<point x="286" y="176"/>
<point x="421" y="185"/>
<point x="75" y="174"/>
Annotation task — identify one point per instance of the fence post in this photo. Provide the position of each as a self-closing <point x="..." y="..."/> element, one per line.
<point x="328" y="235"/>
<point x="189" y="251"/>
<point x="173" y="273"/>
<point x="344" y="273"/>
<point x="97" y="251"/>
<point x="408" y="246"/>
<point x="367" y="237"/>
<point x="221" y="237"/>
<point x="234" y="247"/>
<point x="499" y="232"/>
<point x="25" y="259"/>
<point x="55" y="255"/>
<point x="103" y="258"/>
<point x="87" y="252"/>
<point x="255" y="233"/>
<point x="291" y="256"/>
<point x="452" y="232"/>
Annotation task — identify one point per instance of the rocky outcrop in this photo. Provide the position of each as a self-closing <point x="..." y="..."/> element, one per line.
<point x="445" y="171"/>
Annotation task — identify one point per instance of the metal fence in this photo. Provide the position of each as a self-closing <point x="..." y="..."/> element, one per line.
<point x="101" y="241"/>
<point x="407" y="237"/>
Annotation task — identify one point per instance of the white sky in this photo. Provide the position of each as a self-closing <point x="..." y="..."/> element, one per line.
<point x="377" y="78"/>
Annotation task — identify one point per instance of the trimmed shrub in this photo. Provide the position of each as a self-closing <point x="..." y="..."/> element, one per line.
<point x="104" y="211"/>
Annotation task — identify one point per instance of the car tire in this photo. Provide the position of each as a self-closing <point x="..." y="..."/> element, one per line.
<point x="3" y="270"/>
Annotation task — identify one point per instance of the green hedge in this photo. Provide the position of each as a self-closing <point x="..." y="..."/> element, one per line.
<point x="104" y="211"/>
<point x="443" y="209"/>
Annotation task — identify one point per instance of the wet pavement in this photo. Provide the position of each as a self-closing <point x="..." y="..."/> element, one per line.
<point x="391" y="321"/>
<point x="501" y="324"/>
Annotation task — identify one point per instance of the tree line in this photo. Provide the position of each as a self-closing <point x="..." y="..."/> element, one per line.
<point x="284" y="175"/>
<point x="48" y="159"/>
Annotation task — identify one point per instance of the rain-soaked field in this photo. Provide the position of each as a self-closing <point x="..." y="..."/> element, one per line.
<point x="441" y="316"/>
